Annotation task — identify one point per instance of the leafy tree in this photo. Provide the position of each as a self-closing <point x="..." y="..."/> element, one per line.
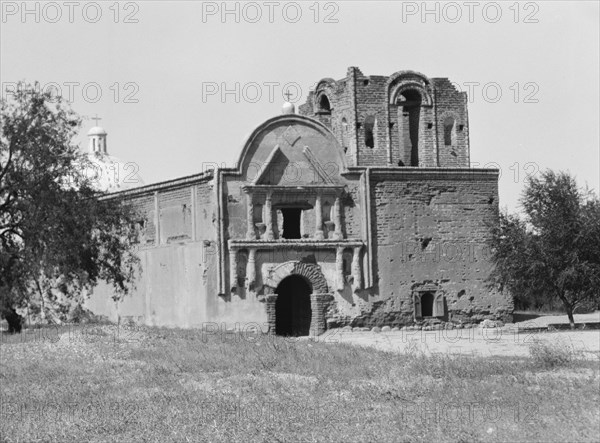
<point x="58" y="235"/>
<point x="555" y="249"/>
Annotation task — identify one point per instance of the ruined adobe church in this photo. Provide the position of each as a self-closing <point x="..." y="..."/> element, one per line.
<point x="359" y="210"/>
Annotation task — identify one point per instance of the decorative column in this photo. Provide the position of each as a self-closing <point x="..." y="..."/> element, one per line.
<point x="318" y="218"/>
<point x="269" y="217"/>
<point x="271" y="300"/>
<point x="339" y="269"/>
<point x="356" y="270"/>
<point x="250" y="233"/>
<point x="156" y="220"/>
<point x="251" y="269"/>
<point x="337" y="214"/>
<point x="193" y="206"/>
<point x="233" y="275"/>
<point x="317" y="306"/>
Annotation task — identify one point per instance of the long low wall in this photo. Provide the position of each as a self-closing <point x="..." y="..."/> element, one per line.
<point x="173" y="289"/>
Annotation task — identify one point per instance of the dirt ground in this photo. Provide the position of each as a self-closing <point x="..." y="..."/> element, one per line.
<point x="510" y="340"/>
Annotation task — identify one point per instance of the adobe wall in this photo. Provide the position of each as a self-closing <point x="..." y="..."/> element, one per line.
<point x="170" y="291"/>
<point x="177" y="254"/>
<point x="430" y="231"/>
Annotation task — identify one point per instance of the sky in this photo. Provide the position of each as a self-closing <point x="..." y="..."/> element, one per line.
<point x="179" y="85"/>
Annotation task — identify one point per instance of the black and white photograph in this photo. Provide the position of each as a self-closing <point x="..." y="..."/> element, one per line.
<point x="299" y="221"/>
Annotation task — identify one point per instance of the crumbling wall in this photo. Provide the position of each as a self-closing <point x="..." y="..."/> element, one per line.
<point x="178" y="269"/>
<point x="432" y="234"/>
<point x="431" y="231"/>
<point x="358" y="98"/>
<point x="452" y="125"/>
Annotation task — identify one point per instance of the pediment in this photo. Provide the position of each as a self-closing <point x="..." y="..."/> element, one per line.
<point x="292" y="150"/>
<point x="293" y="166"/>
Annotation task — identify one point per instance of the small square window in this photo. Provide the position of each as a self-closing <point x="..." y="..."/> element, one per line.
<point x="428" y="304"/>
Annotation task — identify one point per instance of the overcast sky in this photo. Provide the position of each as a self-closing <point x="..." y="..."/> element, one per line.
<point x="155" y="77"/>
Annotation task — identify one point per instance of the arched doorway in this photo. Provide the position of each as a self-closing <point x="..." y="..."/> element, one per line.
<point x="292" y="308"/>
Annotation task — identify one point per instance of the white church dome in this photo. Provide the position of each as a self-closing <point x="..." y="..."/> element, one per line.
<point x="106" y="172"/>
<point x="288" y="108"/>
<point x="96" y="130"/>
<point x="111" y="174"/>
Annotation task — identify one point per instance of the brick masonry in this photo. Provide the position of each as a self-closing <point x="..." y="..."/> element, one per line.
<point x="355" y="98"/>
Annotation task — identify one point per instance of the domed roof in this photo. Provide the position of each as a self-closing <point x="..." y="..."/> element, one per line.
<point x="96" y="130"/>
<point x="111" y="174"/>
<point x="288" y="108"/>
<point x="106" y="172"/>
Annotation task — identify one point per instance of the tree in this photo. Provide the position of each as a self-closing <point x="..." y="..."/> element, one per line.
<point x="58" y="235"/>
<point x="555" y="249"/>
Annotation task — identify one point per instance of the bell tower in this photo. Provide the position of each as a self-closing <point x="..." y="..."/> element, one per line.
<point x="97" y="138"/>
<point x="402" y="120"/>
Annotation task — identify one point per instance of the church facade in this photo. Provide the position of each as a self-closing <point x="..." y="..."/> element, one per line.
<point x="360" y="210"/>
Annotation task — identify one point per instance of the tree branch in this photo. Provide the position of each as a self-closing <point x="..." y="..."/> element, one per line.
<point x="4" y="170"/>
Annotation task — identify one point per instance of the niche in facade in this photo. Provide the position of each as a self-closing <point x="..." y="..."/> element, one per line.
<point x="410" y="116"/>
<point x="292" y="218"/>
<point x="369" y="128"/>
<point x="449" y="131"/>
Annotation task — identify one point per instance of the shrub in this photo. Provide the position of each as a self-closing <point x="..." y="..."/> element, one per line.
<point x="552" y="355"/>
<point x="587" y="307"/>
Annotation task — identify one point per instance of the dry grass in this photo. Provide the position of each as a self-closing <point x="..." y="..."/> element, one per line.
<point x="101" y="384"/>
<point x="550" y="355"/>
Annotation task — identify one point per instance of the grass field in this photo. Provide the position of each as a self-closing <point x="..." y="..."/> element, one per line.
<point x="100" y="384"/>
